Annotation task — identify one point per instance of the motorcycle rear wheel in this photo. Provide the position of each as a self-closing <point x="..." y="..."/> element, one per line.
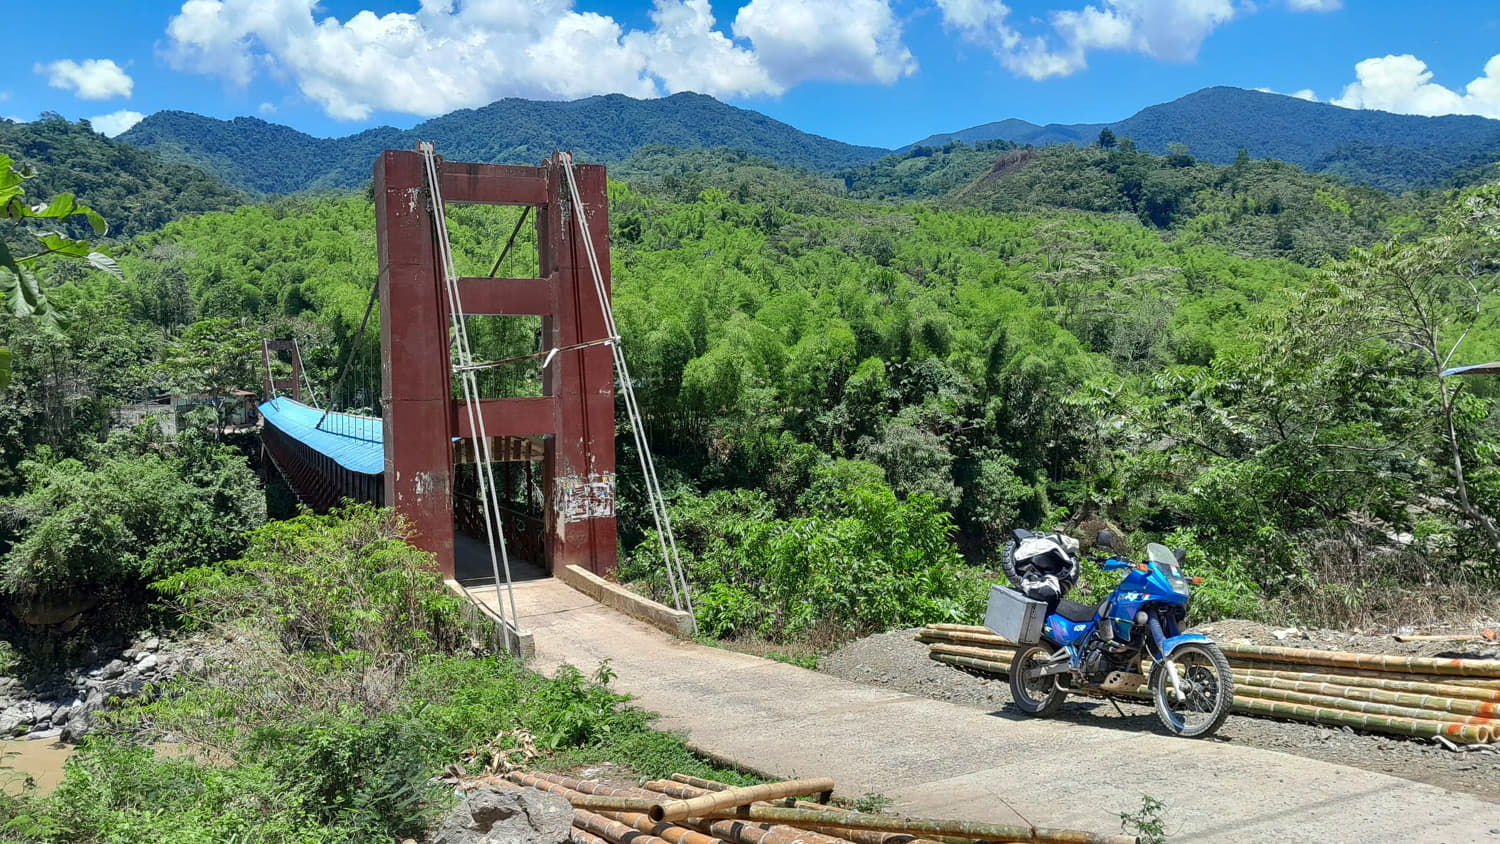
<point x="1034" y="695"/>
<point x="1207" y="690"/>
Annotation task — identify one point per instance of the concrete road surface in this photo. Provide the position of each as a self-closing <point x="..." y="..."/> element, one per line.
<point x="936" y="759"/>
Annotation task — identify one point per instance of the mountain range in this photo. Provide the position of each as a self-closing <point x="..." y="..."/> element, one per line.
<point x="1390" y="151"/>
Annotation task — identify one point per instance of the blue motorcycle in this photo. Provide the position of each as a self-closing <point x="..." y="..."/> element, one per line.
<point x="1100" y="650"/>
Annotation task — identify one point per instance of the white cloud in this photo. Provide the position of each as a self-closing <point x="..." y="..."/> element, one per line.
<point x="1171" y="30"/>
<point x="1305" y="94"/>
<point x="1403" y="84"/>
<point x="1315" y="5"/>
<point x="266" y="108"/>
<point x="91" y="79"/>
<point x="451" y="54"/>
<point x="4" y="96"/>
<point x="115" y="122"/>
<point x="846" y="40"/>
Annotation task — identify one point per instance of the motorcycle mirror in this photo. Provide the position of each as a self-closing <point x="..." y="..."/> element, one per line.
<point x="1180" y="554"/>
<point x="1105" y="539"/>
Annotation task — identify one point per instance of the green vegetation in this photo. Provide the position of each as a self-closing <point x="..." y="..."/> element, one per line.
<point x="346" y="683"/>
<point x="132" y="188"/>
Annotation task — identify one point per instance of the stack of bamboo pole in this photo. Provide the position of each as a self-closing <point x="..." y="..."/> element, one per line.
<point x="1453" y="699"/>
<point x="689" y="810"/>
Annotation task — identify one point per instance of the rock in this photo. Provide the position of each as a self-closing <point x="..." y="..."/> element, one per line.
<point x="152" y="644"/>
<point x="114" y="668"/>
<point x="147" y="663"/>
<point x="498" y="815"/>
<point x="45" y="735"/>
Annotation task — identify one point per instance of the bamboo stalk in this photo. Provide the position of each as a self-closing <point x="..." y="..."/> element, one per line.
<point x="1465" y="733"/>
<point x="741" y="832"/>
<point x="1439" y="703"/>
<point x="1367" y="707"/>
<point x="613" y="830"/>
<point x="709" y="801"/>
<point x="993" y="667"/>
<point x="1487" y="668"/>
<point x="920" y="826"/>
<point x="672" y="833"/>
<point x="969" y="650"/>
<point x="1408" y="686"/>
<point x="578" y="836"/>
<point x="582" y="800"/>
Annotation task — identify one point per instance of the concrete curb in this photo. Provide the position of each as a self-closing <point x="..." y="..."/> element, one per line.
<point x="620" y="599"/>
<point x="514" y="641"/>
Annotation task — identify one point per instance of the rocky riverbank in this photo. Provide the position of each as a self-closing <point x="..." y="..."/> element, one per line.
<point x="63" y="705"/>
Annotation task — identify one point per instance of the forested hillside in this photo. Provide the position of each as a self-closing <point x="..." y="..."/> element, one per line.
<point x="262" y="157"/>
<point x="135" y="190"/>
<point x="1394" y="152"/>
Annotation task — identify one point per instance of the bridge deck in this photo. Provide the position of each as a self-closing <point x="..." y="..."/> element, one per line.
<point x="937" y="759"/>
<point x="356" y="443"/>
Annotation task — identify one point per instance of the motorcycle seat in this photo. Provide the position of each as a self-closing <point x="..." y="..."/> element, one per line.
<point x="1074" y="611"/>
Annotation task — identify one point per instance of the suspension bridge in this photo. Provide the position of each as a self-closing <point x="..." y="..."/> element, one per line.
<point x="525" y="481"/>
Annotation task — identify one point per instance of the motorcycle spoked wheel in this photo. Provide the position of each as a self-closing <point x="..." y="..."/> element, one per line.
<point x="1207" y="687"/>
<point x="1035" y="695"/>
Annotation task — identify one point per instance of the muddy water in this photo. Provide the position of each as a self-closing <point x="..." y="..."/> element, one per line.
<point x="40" y="760"/>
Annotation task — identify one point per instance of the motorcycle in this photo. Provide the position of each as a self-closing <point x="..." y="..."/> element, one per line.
<point x="1100" y="650"/>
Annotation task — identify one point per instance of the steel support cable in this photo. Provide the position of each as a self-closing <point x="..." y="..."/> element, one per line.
<point x="485" y="469"/>
<point x="511" y="241"/>
<point x="353" y="350"/>
<point x="675" y="574"/>
<point x="306" y="379"/>
<point x="265" y="357"/>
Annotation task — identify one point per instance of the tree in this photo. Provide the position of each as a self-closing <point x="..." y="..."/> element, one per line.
<point x="1106" y="138"/>
<point x="1427" y="297"/>
<point x="216" y="357"/>
<point x="18" y="281"/>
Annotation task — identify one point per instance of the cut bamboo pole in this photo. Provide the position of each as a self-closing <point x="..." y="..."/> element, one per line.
<point x="707" y="802"/>
<point x="1438" y="702"/>
<point x="920" y="826"/>
<point x="669" y="832"/>
<point x="1465" y="733"/>
<point x="742" y="832"/>
<point x="592" y="802"/>
<point x="1486" y="668"/>
<point x="578" y="836"/>
<point x="1366" y="707"/>
<point x="970" y="650"/>
<point x="1405" y="686"/>
<point x="613" y="830"/>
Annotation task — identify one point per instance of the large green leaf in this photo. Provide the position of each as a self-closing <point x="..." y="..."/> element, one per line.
<point x="59" y="245"/>
<point x="101" y="261"/>
<point x="61" y="207"/>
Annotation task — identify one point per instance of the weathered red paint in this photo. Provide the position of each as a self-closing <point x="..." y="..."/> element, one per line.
<point x="576" y="412"/>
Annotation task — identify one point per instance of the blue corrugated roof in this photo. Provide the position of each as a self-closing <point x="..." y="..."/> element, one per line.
<point x="1475" y="369"/>
<point x="354" y="442"/>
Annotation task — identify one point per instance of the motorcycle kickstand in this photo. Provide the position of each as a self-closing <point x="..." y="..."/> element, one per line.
<point x="1116" y="705"/>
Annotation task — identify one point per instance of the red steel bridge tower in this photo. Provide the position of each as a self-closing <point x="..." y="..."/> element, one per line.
<point x="425" y="429"/>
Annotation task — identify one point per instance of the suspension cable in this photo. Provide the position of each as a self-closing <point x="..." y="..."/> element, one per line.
<point x="668" y="542"/>
<point x="353" y="350"/>
<point x="306" y="379"/>
<point x="511" y="242"/>
<point x="460" y="340"/>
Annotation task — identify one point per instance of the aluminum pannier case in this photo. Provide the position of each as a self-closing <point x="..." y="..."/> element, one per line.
<point x="1015" y="616"/>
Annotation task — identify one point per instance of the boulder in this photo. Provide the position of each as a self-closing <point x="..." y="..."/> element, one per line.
<point x="494" y="814"/>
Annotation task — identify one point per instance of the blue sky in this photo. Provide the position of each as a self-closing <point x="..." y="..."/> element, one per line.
<point x="880" y="72"/>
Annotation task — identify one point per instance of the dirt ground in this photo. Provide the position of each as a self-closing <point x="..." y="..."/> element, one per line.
<point x="895" y="660"/>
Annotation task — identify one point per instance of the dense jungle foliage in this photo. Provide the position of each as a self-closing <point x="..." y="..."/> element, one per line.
<point x="1242" y="357"/>
<point x="854" y="386"/>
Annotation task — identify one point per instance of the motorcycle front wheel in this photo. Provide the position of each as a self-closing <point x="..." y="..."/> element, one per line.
<point x="1207" y="690"/>
<point x="1034" y="695"/>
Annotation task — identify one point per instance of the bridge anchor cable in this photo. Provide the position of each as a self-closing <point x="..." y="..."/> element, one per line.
<point x="464" y="369"/>
<point x="675" y="575"/>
